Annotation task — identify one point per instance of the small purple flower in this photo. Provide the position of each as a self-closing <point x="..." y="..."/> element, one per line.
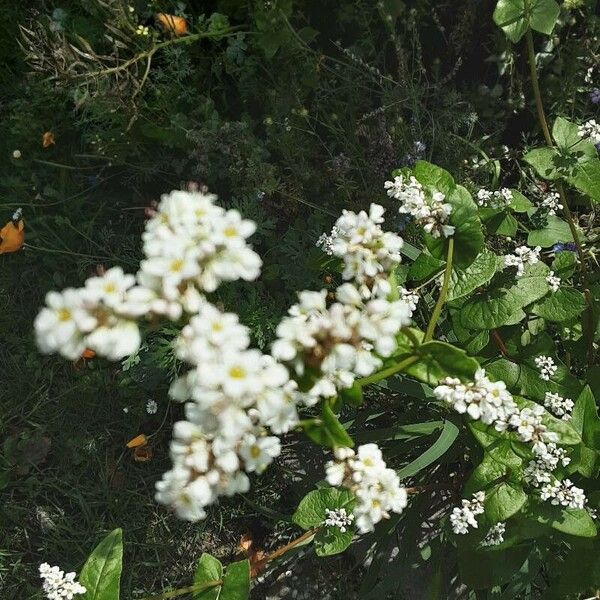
<point x="568" y="247"/>
<point x="595" y="96"/>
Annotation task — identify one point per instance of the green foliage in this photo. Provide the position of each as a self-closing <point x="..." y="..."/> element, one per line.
<point x="101" y="574"/>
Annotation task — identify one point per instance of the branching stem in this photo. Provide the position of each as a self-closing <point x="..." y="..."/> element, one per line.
<point x="437" y="309"/>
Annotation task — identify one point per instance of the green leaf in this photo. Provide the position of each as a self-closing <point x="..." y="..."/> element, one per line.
<point x="586" y="178"/>
<point x="573" y="521"/>
<point x="236" y="582"/>
<point x="501" y="223"/>
<point x="503" y="304"/>
<point x="544" y="161"/>
<point x="562" y="305"/>
<point x="480" y="570"/>
<point x="425" y="267"/>
<point x="555" y="231"/>
<point x="440" y="446"/>
<point x="209" y="569"/>
<point x="585" y="419"/>
<point x="427" y="173"/>
<point x="101" y="573"/>
<point x="353" y="395"/>
<point x="519" y="203"/>
<point x="515" y="16"/>
<point x="504" y="500"/>
<point x="335" y="430"/>
<point x="479" y="272"/>
<point x="440" y="360"/>
<point x="468" y="235"/>
<point x="330" y="540"/>
<point x="564" y="264"/>
<point x="311" y="511"/>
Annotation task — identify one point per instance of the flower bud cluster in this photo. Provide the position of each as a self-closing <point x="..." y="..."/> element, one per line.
<point x="58" y="586"/>
<point x="465" y="515"/>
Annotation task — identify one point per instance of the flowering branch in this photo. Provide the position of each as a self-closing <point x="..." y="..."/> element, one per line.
<point x="437" y="310"/>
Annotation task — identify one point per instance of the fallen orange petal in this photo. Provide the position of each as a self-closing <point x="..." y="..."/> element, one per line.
<point x="143" y="454"/>
<point x="47" y="139"/>
<point x="87" y="353"/>
<point x="176" y="25"/>
<point x="137" y="441"/>
<point x="12" y="236"/>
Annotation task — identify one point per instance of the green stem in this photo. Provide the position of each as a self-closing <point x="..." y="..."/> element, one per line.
<point x="437" y="310"/>
<point x="535" y="83"/>
<point x="380" y="375"/>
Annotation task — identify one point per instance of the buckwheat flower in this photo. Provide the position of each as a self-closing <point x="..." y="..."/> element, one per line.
<point x="59" y="586"/>
<point x="528" y="425"/>
<point x="151" y="407"/>
<point x="16" y="154"/>
<point x="377" y="489"/>
<point x="536" y="474"/>
<point x="549" y="455"/>
<point x="338" y="518"/>
<point x="63" y="324"/>
<point x="551" y="203"/>
<point x="559" y="406"/>
<point x="546" y="366"/>
<point x="258" y="453"/>
<point x="410" y="297"/>
<point x="429" y="209"/>
<point x="464" y="516"/>
<point x="481" y="399"/>
<point x="590" y="130"/>
<point x="325" y="241"/>
<point x="522" y="256"/>
<point x="563" y="493"/>
<point x="496" y="200"/>
<point x="110" y="288"/>
<point x="495" y="535"/>
<point x="553" y="281"/>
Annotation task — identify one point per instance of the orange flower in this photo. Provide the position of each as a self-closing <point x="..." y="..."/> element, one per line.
<point x="137" y="441"/>
<point x="48" y="139"/>
<point x="176" y="25"/>
<point x="143" y="454"/>
<point x="12" y="236"/>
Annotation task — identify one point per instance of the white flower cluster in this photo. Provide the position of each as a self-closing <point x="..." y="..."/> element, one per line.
<point x="547" y="367"/>
<point x="528" y="425"/>
<point x="547" y="458"/>
<point x="465" y="515"/>
<point x="368" y="252"/>
<point x="98" y="316"/>
<point x="429" y="210"/>
<point x="481" y="399"/>
<point x="553" y="281"/>
<point x="563" y="493"/>
<point x="559" y="406"/>
<point x="590" y="129"/>
<point x="338" y="518"/>
<point x="495" y="535"/>
<point x="341" y="341"/>
<point x="521" y="257"/>
<point x="239" y="396"/>
<point x="498" y="199"/>
<point x="377" y="488"/>
<point x="192" y="245"/>
<point x="410" y="297"/>
<point x="57" y="585"/>
<point x="551" y="202"/>
<point x="325" y="241"/>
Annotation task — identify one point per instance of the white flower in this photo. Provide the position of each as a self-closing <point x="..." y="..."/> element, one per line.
<point x="481" y="399"/>
<point x="547" y="367"/>
<point x="63" y="324"/>
<point x="551" y="202"/>
<point x="258" y="453"/>
<point x="553" y="281"/>
<point x="428" y="209"/>
<point x="410" y="297"/>
<point x="465" y="515"/>
<point x="16" y="154"/>
<point x="338" y="518"/>
<point x="115" y="340"/>
<point x="528" y="424"/>
<point x="151" y="407"/>
<point x="563" y="493"/>
<point x="495" y="535"/>
<point x="110" y="288"/>
<point x="59" y="586"/>
<point x="559" y="406"/>
<point x="377" y="489"/>
<point x="522" y="256"/>
<point x="590" y="129"/>
<point x="496" y="200"/>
